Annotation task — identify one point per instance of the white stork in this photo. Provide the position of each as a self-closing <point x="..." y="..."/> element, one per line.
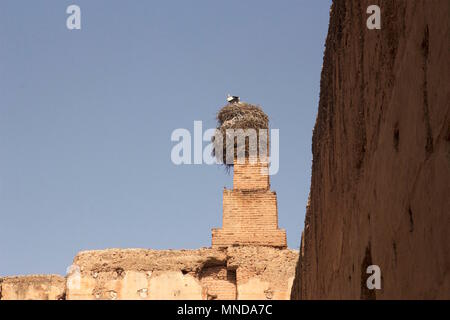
<point x="232" y="99"/>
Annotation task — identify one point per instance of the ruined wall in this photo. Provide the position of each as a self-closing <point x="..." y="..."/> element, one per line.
<point x="380" y="185"/>
<point x="141" y="274"/>
<point x="234" y="273"/>
<point x="248" y="259"/>
<point x="35" y="287"/>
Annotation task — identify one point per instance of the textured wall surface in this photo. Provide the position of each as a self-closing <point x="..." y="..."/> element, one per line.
<point x="380" y="185"/>
<point x="233" y="273"/>
<point x="35" y="287"/>
<point x="251" y="175"/>
<point x="250" y="212"/>
<point x="249" y="218"/>
<point x="141" y="274"/>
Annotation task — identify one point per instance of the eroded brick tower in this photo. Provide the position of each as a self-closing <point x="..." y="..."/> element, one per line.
<point x="250" y="213"/>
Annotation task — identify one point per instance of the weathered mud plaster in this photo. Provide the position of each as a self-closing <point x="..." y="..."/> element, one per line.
<point x="233" y="273"/>
<point x="33" y="287"/>
<point x="381" y="155"/>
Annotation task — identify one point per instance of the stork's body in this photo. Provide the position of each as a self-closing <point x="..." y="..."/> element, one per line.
<point x="233" y="99"/>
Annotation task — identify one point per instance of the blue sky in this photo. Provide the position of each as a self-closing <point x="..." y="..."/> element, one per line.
<point x="86" y="118"/>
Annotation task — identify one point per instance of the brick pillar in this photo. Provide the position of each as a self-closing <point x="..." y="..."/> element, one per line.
<point x="251" y="176"/>
<point x="250" y="213"/>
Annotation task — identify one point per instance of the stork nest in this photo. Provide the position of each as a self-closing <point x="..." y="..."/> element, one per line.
<point x="238" y="116"/>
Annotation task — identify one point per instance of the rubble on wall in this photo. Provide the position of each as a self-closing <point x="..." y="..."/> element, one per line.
<point x="33" y="287"/>
<point x="141" y="274"/>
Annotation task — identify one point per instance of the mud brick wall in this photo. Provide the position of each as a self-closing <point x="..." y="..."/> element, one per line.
<point x="381" y="155"/>
<point x="262" y="272"/>
<point x="250" y="213"/>
<point x="33" y="287"/>
<point x="251" y="176"/>
<point x="218" y="283"/>
<point x="203" y="274"/>
<point x="139" y="274"/>
<point x="249" y="217"/>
